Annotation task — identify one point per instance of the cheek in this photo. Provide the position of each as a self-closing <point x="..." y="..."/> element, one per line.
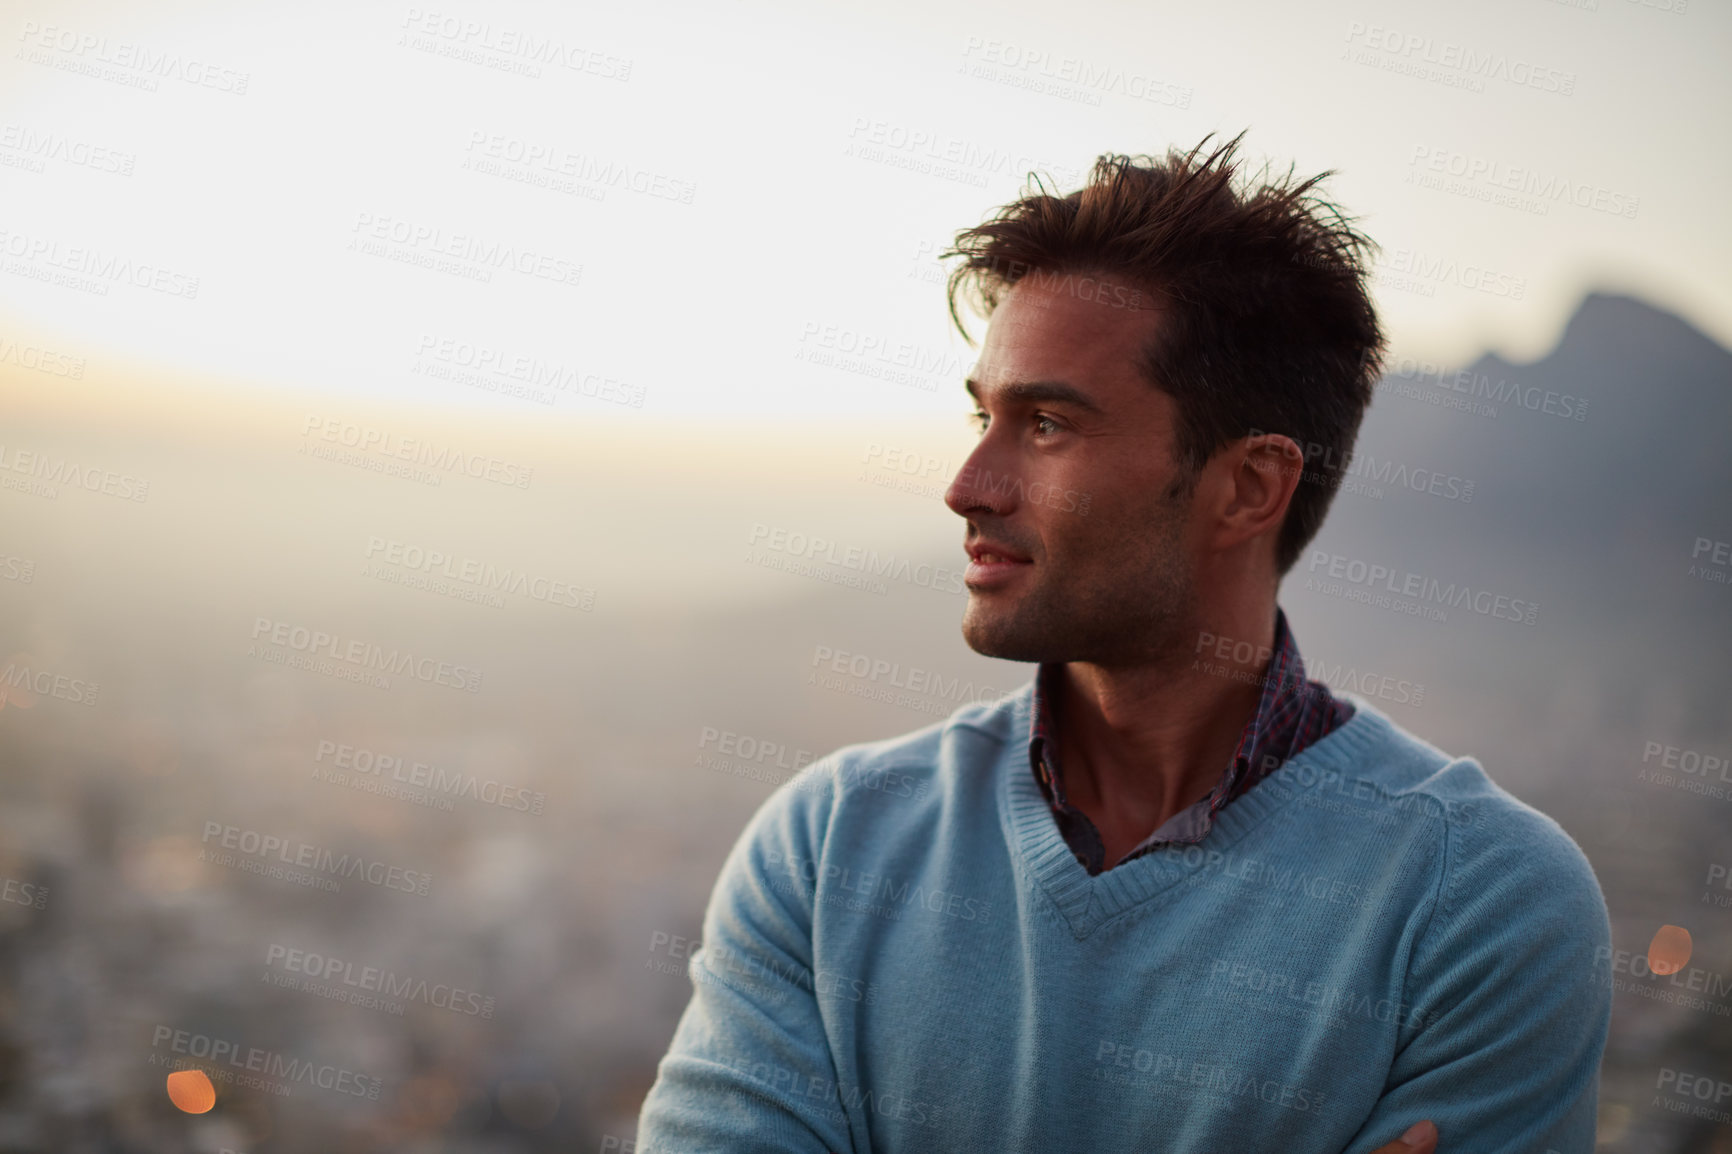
<point x="1074" y="540"/>
<point x="1140" y="530"/>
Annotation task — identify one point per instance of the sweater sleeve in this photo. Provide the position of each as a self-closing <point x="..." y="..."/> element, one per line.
<point x="750" y="1066"/>
<point x="1512" y="1020"/>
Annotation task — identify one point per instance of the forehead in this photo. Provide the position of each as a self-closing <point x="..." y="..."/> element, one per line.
<point x="1068" y="326"/>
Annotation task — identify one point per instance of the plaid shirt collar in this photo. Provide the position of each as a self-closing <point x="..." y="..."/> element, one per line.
<point x="1292" y="713"/>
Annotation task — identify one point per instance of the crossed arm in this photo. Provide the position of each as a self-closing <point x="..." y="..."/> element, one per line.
<point x="1508" y="1065"/>
<point x="749" y="1065"/>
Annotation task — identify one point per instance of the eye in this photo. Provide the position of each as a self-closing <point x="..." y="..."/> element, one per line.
<point x="979" y="420"/>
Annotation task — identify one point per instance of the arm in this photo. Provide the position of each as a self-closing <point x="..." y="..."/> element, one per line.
<point x="1506" y="1058"/>
<point x="749" y="1067"/>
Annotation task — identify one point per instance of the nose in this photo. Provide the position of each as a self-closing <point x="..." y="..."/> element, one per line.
<point x="973" y="490"/>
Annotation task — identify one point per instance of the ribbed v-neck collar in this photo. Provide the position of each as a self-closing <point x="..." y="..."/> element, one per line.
<point x="1087" y="902"/>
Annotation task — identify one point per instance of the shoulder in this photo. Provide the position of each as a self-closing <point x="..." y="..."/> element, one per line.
<point x="1501" y="856"/>
<point x="853" y="783"/>
<point x="1506" y="854"/>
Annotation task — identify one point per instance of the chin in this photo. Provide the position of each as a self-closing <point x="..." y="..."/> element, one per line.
<point x="996" y="635"/>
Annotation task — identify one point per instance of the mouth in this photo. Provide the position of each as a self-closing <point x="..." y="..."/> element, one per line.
<point x="990" y="553"/>
<point x="992" y="565"/>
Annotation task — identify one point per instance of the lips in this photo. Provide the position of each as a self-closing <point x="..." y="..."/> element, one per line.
<point x="988" y="553"/>
<point x="992" y="567"/>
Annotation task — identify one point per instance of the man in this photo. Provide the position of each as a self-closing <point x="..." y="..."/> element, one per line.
<point x="1171" y="895"/>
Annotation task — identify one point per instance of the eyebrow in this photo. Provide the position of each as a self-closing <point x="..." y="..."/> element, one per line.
<point x="1027" y="391"/>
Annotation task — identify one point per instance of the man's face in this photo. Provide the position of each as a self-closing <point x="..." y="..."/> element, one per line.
<point x="1075" y="474"/>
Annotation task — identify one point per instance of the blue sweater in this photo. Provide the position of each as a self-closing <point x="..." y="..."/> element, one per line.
<point x="902" y="954"/>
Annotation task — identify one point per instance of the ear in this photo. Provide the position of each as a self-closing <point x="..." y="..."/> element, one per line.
<point x="1259" y="475"/>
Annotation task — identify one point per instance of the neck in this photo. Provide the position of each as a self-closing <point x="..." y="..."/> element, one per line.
<point x="1138" y="744"/>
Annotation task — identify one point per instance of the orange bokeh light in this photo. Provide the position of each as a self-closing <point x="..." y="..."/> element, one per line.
<point x="191" y="1091"/>
<point x="1670" y="950"/>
